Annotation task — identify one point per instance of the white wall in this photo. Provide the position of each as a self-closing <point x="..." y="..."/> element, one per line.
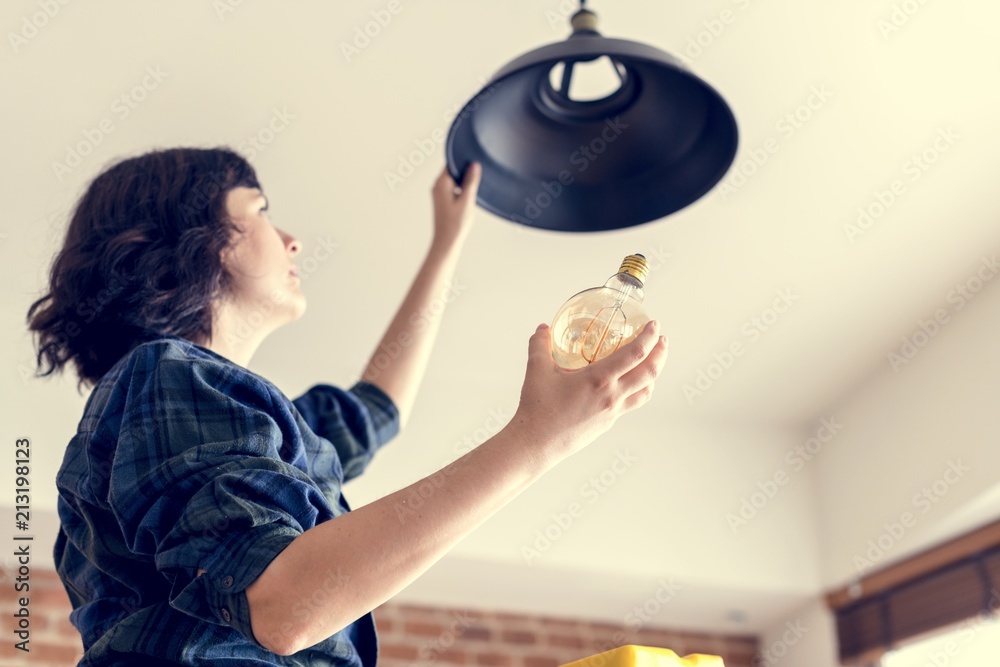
<point x="902" y="434"/>
<point x="804" y="638"/>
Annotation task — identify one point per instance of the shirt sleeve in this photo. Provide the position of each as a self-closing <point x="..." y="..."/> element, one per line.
<point x="357" y="421"/>
<point x="197" y="482"/>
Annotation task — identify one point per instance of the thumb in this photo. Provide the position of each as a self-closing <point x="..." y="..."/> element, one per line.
<point x="470" y="181"/>
<point x="540" y="343"/>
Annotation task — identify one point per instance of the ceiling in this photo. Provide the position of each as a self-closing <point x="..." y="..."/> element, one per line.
<point x="841" y="106"/>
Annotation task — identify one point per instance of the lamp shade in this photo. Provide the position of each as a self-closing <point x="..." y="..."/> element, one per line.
<point x="656" y="144"/>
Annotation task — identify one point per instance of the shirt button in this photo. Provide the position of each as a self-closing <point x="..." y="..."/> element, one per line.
<point x="225" y="615"/>
<point x="227" y="582"/>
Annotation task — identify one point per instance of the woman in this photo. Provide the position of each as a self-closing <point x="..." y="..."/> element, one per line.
<point x="196" y="499"/>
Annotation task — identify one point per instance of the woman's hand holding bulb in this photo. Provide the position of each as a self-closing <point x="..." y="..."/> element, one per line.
<point x="562" y="411"/>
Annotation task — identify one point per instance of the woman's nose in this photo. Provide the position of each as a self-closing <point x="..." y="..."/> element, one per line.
<point x="291" y="243"/>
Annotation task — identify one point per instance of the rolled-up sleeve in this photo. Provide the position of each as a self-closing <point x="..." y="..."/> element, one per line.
<point x="197" y="483"/>
<point x="357" y="421"/>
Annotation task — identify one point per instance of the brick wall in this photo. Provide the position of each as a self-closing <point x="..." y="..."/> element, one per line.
<point x="409" y="635"/>
<point x="54" y="640"/>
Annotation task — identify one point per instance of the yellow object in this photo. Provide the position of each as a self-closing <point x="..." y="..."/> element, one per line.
<point x="631" y="655"/>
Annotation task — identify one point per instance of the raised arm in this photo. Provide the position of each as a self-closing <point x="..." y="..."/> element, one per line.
<point x="365" y="557"/>
<point x="398" y="365"/>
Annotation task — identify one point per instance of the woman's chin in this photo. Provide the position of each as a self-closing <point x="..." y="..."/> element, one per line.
<point x="298" y="306"/>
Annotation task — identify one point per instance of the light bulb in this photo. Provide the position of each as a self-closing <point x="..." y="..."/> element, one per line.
<point x="595" y="322"/>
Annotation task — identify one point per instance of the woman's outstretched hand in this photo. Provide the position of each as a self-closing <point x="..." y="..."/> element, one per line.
<point x="568" y="409"/>
<point x="453" y="213"/>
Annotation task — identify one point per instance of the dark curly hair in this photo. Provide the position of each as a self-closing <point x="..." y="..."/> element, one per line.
<point x="142" y="258"/>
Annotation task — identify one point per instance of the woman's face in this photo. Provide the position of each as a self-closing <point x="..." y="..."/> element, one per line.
<point x="266" y="290"/>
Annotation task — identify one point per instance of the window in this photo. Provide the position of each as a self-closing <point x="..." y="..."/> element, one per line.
<point x="952" y="588"/>
<point x="972" y="643"/>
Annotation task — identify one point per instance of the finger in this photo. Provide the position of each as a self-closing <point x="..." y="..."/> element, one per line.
<point x="647" y="371"/>
<point x="470" y="183"/>
<point x="628" y="356"/>
<point x="638" y="399"/>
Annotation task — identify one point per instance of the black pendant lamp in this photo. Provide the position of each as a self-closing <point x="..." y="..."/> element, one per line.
<point x="656" y="144"/>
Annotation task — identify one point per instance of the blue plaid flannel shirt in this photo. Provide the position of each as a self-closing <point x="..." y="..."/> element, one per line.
<point x="183" y="461"/>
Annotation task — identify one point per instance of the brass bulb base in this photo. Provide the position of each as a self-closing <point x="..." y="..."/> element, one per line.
<point x="636" y="266"/>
